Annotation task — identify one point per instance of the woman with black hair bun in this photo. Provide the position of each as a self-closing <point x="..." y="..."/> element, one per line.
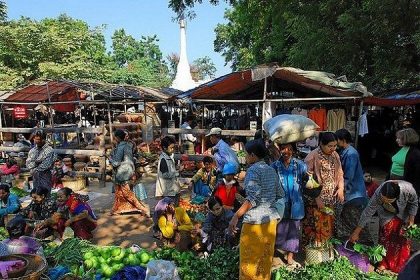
<point x="396" y="203"/>
<point x="260" y="212"/>
<point x="324" y="164"/>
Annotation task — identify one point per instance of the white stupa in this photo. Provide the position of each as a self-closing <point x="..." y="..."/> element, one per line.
<point x="183" y="79"/>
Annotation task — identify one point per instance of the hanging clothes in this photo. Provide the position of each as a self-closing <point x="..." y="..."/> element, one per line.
<point x="336" y="119"/>
<point x="363" y="125"/>
<point x="319" y="116"/>
<point x="299" y="111"/>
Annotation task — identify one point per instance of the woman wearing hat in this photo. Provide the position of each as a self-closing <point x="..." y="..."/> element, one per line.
<point x="221" y="151"/>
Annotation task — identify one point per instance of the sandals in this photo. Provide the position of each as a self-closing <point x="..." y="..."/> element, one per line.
<point x="385" y="272"/>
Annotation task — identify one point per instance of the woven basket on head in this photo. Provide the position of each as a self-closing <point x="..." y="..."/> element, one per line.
<point x="76" y="184"/>
<point x="37" y="265"/>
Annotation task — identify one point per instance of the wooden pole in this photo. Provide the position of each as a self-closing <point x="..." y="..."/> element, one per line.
<point x="110" y="122"/>
<point x="102" y="161"/>
<point x="51" y="115"/>
<point x="203" y="139"/>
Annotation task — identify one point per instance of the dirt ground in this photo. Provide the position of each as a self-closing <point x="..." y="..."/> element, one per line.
<point x="123" y="230"/>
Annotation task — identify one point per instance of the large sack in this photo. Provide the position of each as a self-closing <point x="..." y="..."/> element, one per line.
<point x="289" y="128"/>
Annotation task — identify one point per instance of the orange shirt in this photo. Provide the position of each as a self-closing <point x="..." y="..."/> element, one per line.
<point x="319" y="116"/>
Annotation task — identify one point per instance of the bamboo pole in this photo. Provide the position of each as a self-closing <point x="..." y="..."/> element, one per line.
<point x="102" y="161"/>
<point x="51" y="114"/>
<point x="58" y="151"/>
<point x="56" y="129"/>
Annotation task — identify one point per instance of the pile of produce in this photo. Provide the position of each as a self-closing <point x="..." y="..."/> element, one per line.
<point x="375" y="253"/>
<point x="104" y="262"/>
<point x="338" y="269"/>
<point x="220" y="265"/>
<point x="87" y="261"/>
<point x="69" y="253"/>
<point x="412" y="232"/>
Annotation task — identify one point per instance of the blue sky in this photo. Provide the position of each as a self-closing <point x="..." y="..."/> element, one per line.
<point x="138" y="18"/>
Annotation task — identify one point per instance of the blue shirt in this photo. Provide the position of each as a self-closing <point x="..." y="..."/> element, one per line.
<point x="354" y="184"/>
<point x="262" y="191"/>
<point x="224" y="155"/>
<point x="291" y="180"/>
<point x="12" y="205"/>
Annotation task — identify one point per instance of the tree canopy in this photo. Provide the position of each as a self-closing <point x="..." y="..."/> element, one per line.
<point x="67" y="48"/>
<point x="376" y="42"/>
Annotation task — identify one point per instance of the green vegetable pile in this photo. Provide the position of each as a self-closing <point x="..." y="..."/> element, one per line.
<point x="337" y="269"/>
<point x="19" y="192"/>
<point x="3" y="234"/>
<point x="220" y="265"/>
<point x="70" y="252"/>
<point x="412" y="232"/>
<point x="375" y="253"/>
<point x="106" y="261"/>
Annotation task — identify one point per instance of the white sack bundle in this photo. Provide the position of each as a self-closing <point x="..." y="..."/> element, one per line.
<point x="289" y="128"/>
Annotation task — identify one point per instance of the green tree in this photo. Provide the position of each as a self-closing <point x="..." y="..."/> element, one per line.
<point x="3" y="11"/>
<point x="204" y="67"/>
<point x="68" y="48"/>
<point x="138" y="61"/>
<point x="52" y="48"/>
<point x="376" y="42"/>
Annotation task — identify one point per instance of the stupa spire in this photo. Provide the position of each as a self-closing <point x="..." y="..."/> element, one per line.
<point x="183" y="79"/>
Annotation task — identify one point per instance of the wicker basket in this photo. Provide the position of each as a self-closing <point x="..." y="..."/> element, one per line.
<point x="36" y="267"/>
<point x="76" y="184"/>
<point x="315" y="255"/>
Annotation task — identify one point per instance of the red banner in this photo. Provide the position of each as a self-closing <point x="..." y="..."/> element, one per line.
<point x="20" y="112"/>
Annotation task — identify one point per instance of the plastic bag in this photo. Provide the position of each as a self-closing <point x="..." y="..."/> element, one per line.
<point x="161" y="270"/>
<point x="130" y="273"/>
<point x="290" y="128"/>
<point x="68" y="233"/>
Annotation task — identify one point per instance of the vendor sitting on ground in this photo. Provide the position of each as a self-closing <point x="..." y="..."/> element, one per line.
<point x="9" y="202"/>
<point x="17" y="243"/>
<point x="228" y="188"/>
<point x="173" y="223"/>
<point x="9" y="171"/>
<point x="38" y="214"/>
<point x="75" y="213"/>
<point x="214" y="231"/>
<point x="59" y="171"/>
<point x="204" y="181"/>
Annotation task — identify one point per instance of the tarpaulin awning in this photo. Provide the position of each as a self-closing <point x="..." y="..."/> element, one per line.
<point x="249" y="84"/>
<point x="49" y="91"/>
<point x="401" y="97"/>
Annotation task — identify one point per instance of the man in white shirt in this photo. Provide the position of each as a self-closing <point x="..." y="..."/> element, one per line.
<point x="188" y="140"/>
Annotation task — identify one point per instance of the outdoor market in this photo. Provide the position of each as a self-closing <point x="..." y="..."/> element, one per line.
<point x="214" y="197"/>
<point x="122" y="161"/>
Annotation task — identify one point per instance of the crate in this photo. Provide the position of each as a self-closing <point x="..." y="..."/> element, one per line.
<point x="76" y="184"/>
